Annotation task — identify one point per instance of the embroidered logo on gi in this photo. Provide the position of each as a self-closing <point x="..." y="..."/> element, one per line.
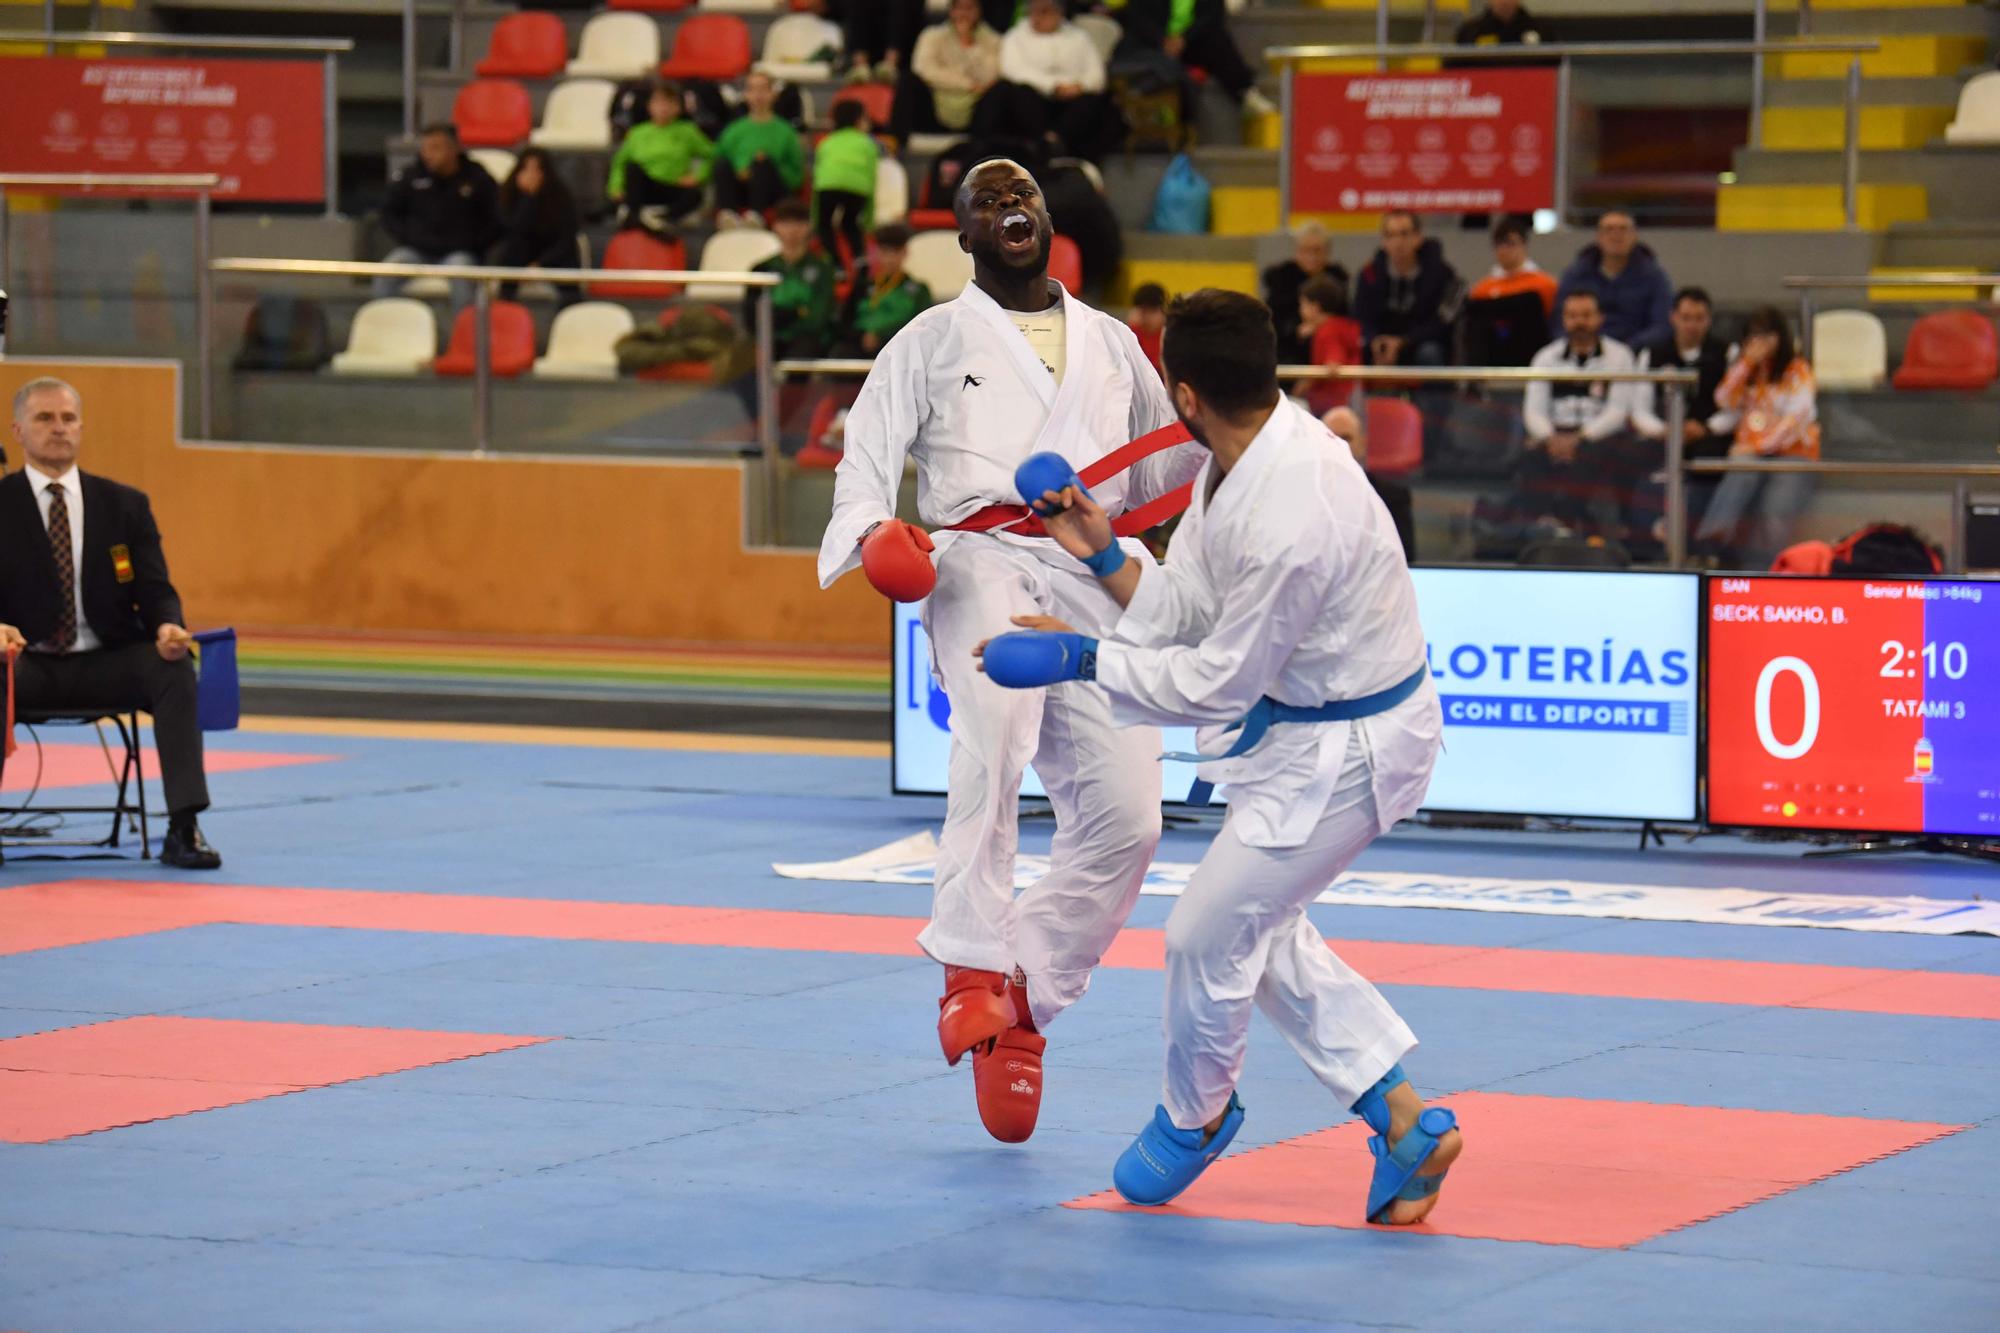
<point x="121" y="563"/>
<point x="971" y="382"/>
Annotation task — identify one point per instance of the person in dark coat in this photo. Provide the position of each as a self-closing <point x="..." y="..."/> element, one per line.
<point x="443" y="210"/>
<point x="1407" y="297"/>
<point x="540" y="223"/>
<point x="1633" y="290"/>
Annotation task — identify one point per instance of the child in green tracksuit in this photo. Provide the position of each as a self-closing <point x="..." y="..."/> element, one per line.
<point x="883" y="298"/>
<point x="661" y="165"/>
<point x="802" y="303"/>
<point x="764" y="160"/>
<point x="844" y="182"/>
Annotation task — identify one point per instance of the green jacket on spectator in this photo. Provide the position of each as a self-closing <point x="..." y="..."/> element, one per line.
<point x="845" y="160"/>
<point x="883" y="309"/>
<point x="745" y="137"/>
<point x="802" y="304"/>
<point x="666" y="152"/>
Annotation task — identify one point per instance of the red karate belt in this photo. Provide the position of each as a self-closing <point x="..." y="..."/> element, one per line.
<point x="1026" y="522"/>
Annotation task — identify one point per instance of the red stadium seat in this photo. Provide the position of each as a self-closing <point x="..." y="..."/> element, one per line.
<point x="492" y="113"/>
<point x="816" y="453"/>
<point x="715" y="47"/>
<point x="525" y="46"/>
<point x="1066" y="263"/>
<point x="654" y="6"/>
<point x="639" y="249"/>
<point x="512" y="340"/>
<point x="1395" y="437"/>
<point x="1950" y="349"/>
<point x="877" y="99"/>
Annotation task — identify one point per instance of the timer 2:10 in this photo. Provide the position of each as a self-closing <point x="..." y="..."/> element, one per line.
<point x="1951" y="657"/>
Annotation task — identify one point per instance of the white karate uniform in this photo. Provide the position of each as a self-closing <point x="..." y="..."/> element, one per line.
<point x="1288" y="582"/>
<point x="961" y="390"/>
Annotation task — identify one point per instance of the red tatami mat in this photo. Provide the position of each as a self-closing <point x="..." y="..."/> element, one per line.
<point x="1556" y="1170"/>
<point x="82" y="1079"/>
<point x="73" y="764"/>
<point x="165" y="906"/>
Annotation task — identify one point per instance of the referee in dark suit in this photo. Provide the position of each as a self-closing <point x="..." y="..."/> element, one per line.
<point x="86" y="604"/>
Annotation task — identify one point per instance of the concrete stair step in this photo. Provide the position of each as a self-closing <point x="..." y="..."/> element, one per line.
<point x="1925" y="244"/>
<point x="1959" y="181"/>
<point x="1816" y="207"/>
<point x="1880" y="127"/>
<point x="1924" y="90"/>
<point x="1926" y="55"/>
<point x="1878" y="18"/>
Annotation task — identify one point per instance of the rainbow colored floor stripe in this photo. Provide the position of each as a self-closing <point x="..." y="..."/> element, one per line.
<point x="490" y="1028"/>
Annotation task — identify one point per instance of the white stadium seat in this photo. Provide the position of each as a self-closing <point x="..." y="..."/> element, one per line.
<point x="577" y="117"/>
<point x="892" y="191"/>
<point x="1850" y="350"/>
<point x="583" y="342"/>
<point x="617" y="46"/>
<point x="792" y="43"/>
<point x="936" y="261"/>
<point x="731" y="252"/>
<point x="499" y="163"/>
<point x="1978" y="118"/>
<point x="1103" y="31"/>
<point x="742" y="6"/>
<point x="392" y="335"/>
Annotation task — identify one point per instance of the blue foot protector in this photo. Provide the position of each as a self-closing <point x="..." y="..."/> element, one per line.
<point x="1396" y="1168"/>
<point x="1165" y="1160"/>
<point x="1373" y="1105"/>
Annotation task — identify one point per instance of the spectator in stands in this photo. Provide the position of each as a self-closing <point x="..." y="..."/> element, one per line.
<point x="1631" y="287"/>
<point x="763" y="160"/>
<point x="443" y="210"/>
<point x="1196" y="34"/>
<point x="539" y="223"/>
<point x="1501" y="23"/>
<point x="802" y="304"/>
<point x="1311" y="258"/>
<point x="87" y="612"/>
<point x="1508" y="311"/>
<point x="844" y="166"/>
<point x="1335" y="340"/>
<point x="1772" y="392"/>
<point x="880" y="37"/>
<point x="1349" y="426"/>
<point x="1706" y="429"/>
<point x="883" y="298"/>
<point x="1148" y="321"/>
<point x="658" y="171"/>
<point x="1051" y="87"/>
<point x="1574" y="469"/>
<point x="1407" y="297"/>
<point x="956" y="63"/>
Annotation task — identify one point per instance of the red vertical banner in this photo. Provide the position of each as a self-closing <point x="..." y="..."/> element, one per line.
<point x="1471" y="140"/>
<point x="258" y="124"/>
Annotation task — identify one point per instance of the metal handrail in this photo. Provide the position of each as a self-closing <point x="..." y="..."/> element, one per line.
<point x="1287" y="59"/>
<point x="487" y="276"/>
<point x="316" y="45"/>
<point x="1373" y="374"/>
<point x="1961" y="475"/>
<point x="1285" y="55"/>
<point x="201" y="185"/>
<point x="1805" y="287"/>
<point x="328" y="49"/>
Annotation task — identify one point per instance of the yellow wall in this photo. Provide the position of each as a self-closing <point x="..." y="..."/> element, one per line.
<point x="289" y="538"/>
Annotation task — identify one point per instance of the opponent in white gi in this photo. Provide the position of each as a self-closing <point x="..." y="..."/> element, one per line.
<point x="969" y="389"/>
<point x="1284" y="603"/>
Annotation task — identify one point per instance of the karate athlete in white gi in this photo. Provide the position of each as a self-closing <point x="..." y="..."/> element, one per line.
<point x="969" y="389"/>
<point x="1284" y="606"/>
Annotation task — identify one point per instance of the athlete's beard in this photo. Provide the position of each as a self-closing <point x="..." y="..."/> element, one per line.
<point x="1200" y="435"/>
<point x="989" y="254"/>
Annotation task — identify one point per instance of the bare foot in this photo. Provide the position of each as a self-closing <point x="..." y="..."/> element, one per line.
<point x="1404" y="1108"/>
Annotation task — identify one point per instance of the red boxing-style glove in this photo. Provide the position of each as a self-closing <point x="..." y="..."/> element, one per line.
<point x="896" y="557"/>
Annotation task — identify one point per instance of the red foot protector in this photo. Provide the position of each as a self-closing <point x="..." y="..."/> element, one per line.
<point x="896" y="557"/>
<point x="973" y="1011"/>
<point x="101" y="1076"/>
<point x="1557" y="1170"/>
<point x="1007" y="1078"/>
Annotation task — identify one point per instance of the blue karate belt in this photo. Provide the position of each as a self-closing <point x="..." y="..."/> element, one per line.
<point x="1268" y="712"/>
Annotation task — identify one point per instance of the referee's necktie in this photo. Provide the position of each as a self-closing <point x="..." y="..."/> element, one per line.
<point x="64" y="637"/>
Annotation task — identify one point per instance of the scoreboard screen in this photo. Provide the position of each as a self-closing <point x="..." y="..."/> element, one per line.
<point x="1870" y="704"/>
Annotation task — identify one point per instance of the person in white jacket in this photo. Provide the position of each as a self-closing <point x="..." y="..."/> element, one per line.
<point x="1051" y="87"/>
<point x="1579" y="464"/>
<point x="1284" y="624"/>
<point x="968" y="390"/>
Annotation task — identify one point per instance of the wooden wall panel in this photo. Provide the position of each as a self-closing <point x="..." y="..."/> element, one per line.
<point x="291" y="538"/>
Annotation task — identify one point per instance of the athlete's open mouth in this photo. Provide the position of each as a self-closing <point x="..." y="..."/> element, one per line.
<point x="1017" y="231"/>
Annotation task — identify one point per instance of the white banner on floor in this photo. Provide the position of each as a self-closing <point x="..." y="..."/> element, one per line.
<point x="913" y="860"/>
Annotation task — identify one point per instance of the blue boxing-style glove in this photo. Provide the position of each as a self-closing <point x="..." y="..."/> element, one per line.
<point x="1045" y="472"/>
<point x="1028" y="658"/>
<point x="1041" y="473"/>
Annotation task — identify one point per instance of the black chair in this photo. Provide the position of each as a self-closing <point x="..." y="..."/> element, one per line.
<point x="131" y="799"/>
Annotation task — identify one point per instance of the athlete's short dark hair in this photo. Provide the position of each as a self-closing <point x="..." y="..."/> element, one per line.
<point x="1221" y="345"/>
